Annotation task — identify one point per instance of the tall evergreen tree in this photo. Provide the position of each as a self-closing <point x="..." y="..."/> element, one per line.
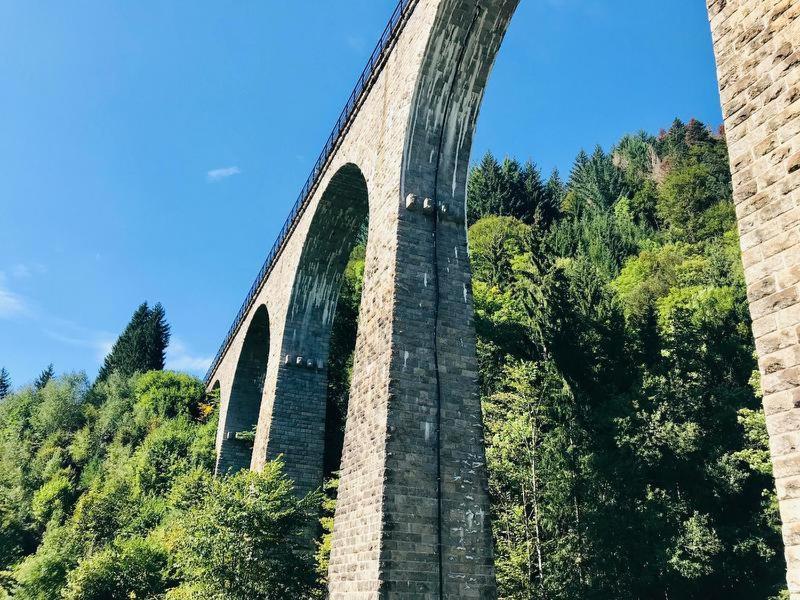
<point x="44" y="377"/>
<point x="505" y="189"/>
<point x="555" y="190"/>
<point x="595" y="182"/>
<point x="484" y="189"/>
<point x="539" y="201"/>
<point x="142" y="345"/>
<point x="158" y="338"/>
<point x="5" y="383"/>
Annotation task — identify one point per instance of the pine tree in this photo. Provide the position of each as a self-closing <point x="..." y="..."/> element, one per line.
<point x="485" y="189"/>
<point x="595" y="181"/>
<point x="541" y="202"/>
<point x="5" y="383"/>
<point x="142" y="345"/>
<point x="556" y="190"/>
<point x="158" y="338"/>
<point x="508" y="190"/>
<point x="673" y="142"/>
<point x="44" y="377"/>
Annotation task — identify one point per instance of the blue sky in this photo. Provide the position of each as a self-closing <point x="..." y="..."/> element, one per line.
<point x="151" y="150"/>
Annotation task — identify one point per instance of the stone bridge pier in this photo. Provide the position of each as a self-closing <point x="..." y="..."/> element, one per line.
<point x="412" y="516"/>
<point x="757" y="46"/>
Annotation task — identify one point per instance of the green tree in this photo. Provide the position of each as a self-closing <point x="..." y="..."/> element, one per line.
<point x="556" y="189"/>
<point x="627" y="452"/>
<point x="692" y="205"/>
<point x="595" y="182"/>
<point x="44" y="377"/>
<point x="133" y="568"/>
<point x="249" y="538"/>
<point x="5" y="383"/>
<point x="142" y="345"/>
<point x="494" y="244"/>
<point x="508" y="189"/>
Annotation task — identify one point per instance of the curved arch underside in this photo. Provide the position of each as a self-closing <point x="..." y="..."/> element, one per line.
<point x="340" y="217"/>
<point x="245" y="400"/>
<point x="297" y="424"/>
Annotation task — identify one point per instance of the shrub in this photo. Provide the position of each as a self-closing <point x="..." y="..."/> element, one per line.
<point x="136" y="568"/>
<point x="250" y="538"/>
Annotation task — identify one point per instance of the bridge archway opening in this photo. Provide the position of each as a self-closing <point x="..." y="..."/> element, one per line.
<point x="323" y="319"/>
<point x="241" y="416"/>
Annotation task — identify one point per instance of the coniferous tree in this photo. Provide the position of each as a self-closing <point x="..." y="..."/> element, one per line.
<point x="555" y="191"/>
<point x="44" y="377"/>
<point x="673" y="141"/>
<point x="595" y="182"/>
<point x="158" y="338"/>
<point x="541" y="210"/>
<point x="142" y="345"/>
<point x="484" y="189"/>
<point x="506" y="189"/>
<point x="5" y="383"/>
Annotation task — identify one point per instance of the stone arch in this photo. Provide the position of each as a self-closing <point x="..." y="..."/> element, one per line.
<point x="331" y="238"/>
<point x="298" y="421"/>
<point x="241" y="414"/>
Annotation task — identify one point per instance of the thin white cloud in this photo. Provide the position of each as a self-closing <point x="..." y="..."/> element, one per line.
<point x="98" y="341"/>
<point x="11" y="304"/>
<point x="179" y="358"/>
<point x="20" y="271"/>
<point x="26" y="271"/>
<point x="216" y="175"/>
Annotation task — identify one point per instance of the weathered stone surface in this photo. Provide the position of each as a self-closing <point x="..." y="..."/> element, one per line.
<point x="242" y="405"/>
<point x="412" y="519"/>
<point x="757" y="46"/>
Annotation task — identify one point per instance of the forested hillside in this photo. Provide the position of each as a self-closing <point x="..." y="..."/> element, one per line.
<point x="626" y="446"/>
<point x="106" y="490"/>
<point x="627" y="449"/>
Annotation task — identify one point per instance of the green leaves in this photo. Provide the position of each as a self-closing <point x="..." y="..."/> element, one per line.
<point x="132" y="568"/>
<point x="627" y="450"/>
<point x="690" y="203"/>
<point x="512" y="190"/>
<point x="142" y="345"/>
<point x="250" y="538"/>
<point x="101" y="489"/>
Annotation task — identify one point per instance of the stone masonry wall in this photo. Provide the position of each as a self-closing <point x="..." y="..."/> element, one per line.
<point x="414" y="424"/>
<point x="297" y="425"/>
<point x="412" y="513"/>
<point x="243" y="406"/>
<point x="757" y="46"/>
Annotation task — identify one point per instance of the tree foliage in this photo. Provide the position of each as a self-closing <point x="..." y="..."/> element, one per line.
<point x="44" y="377"/>
<point x="142" y="345"/>
<point x="248" y="538"/>
<point x="627" y="451"/>
<point x="5" y="383"/>
<point x="106" y="492"/>
<point x="513" y="190"/>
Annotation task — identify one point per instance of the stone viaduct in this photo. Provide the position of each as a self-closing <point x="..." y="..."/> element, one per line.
<point x="412" y="516"/>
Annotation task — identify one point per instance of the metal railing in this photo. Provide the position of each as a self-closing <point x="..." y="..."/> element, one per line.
<point x="375" y="63"/>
